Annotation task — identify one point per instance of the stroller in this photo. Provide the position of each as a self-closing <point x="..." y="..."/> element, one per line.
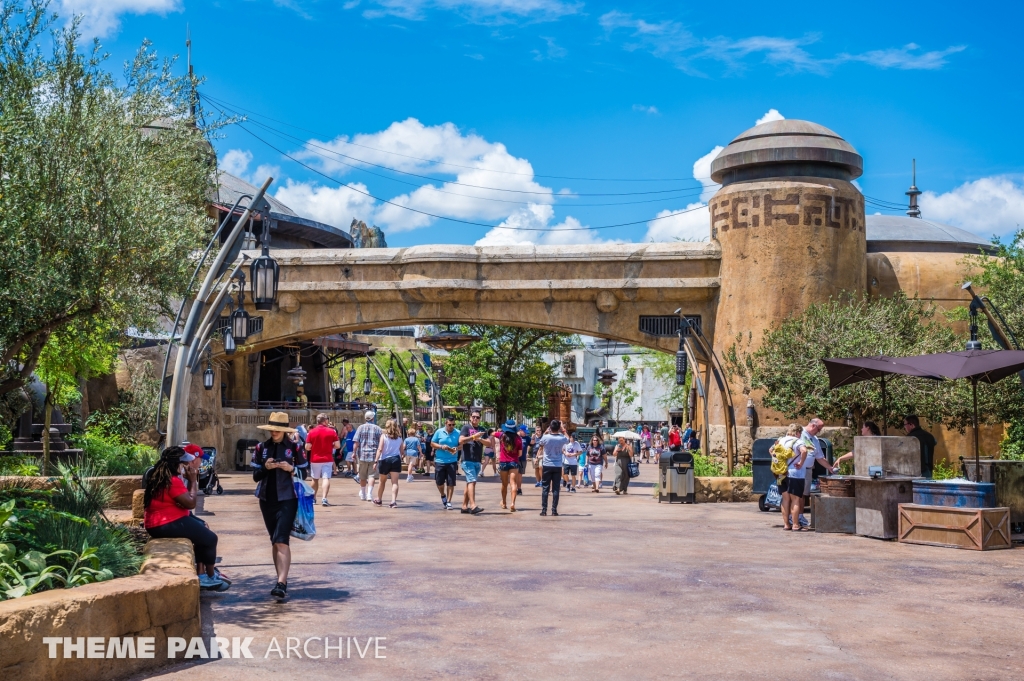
<point x="207" y="472"/>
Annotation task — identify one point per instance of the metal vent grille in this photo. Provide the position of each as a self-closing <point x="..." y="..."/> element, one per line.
<point x="255" y="324"/>
<point x="666" y="325"/>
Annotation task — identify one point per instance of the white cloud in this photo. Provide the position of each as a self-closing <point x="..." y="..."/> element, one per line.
<point x="673" y="42"/>
<point x="553" y="50"/>
<point x="483" y="11"/>
<point x="335" y="206"/>
<point x="693" y="225"/>
<point x="989" y="206"/>
<point x="439" y="150"/>
<point x="904" y="58"/>
<point x="520" y="228"/>
<point x="236" y="162"/>
<point x="653" y="110"/>
<point x="702" y="173"/>
<point x="770" y="115"/>
<point x="101" y="18"/>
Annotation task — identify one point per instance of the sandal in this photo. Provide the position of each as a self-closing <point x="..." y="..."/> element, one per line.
<point x="513" y="509"/>
<point x="504" y="506"/>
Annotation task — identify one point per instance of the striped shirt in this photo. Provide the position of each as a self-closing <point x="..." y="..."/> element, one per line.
<point x="368" y="438"/>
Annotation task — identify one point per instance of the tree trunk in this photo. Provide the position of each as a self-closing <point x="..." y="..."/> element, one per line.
<point x="47" y="416"/>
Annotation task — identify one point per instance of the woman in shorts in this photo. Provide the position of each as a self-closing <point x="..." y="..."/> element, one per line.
<point x="793" y="494"/>
<point x="489" y="449"/>
<point x="389" y="462"/>
<point x="596" y="462"/>
<point x="509" y="447"/>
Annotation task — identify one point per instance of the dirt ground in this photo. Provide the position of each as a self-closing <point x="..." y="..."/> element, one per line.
<point x="614" y="588"/>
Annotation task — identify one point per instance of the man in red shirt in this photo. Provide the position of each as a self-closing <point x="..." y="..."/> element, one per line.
<point x="321" y="443"/>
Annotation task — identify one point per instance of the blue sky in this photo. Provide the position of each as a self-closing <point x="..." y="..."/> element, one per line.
<point x="510" y="98"/>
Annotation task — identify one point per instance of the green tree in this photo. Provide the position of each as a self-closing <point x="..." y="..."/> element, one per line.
<point x="663" y="368"/>
<point x="100" y="213"/>
<point x="623" y="392"/>
<point x="72" y="353"/>
<point x="788" y="366"/>
<point x="1001" y="280"/>
<point x="505" y="368"/>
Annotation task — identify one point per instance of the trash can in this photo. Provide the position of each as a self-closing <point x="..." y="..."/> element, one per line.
<point x="675" y="477"/>
<point x="244" y="449"/>
<point x="761" y="463"/>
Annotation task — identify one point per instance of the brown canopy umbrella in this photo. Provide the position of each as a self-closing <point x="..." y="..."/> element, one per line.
<point x="846" y="370"/>
<point x="977" y="365"/>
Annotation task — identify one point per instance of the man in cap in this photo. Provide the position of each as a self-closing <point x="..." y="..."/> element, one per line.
<point x="365" y="450"/>
<point x="272" y="465"/>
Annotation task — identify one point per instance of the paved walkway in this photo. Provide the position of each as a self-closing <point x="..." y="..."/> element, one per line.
<point x="614" y="588"/>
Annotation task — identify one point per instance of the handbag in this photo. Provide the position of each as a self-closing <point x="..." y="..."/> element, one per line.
<point x="303" y="527"/>
<point x="634" y="469"/>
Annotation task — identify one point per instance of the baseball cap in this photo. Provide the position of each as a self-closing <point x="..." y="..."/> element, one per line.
<point x="369" y="416"/>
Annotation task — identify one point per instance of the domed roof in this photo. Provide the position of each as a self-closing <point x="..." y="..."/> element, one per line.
<point x="894" y="233"/>
<point x="787" y="148"/>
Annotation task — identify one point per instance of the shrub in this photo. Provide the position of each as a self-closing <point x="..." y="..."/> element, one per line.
<point x="22" y="466"/>
<point x="112" y="456"/>
<point x="744" y="471"/>
<point x="944" y="470"/>
<point x="705" y="466"/>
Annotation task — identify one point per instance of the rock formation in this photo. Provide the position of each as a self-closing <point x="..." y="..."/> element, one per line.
<point x="367" y="237"/>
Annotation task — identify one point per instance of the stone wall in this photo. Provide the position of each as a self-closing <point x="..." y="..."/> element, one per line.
<point x="723" y="489"/>
<point x="162" y="601"/>
<point x="123" y="486"/>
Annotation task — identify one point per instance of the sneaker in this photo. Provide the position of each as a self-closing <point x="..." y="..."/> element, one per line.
<point x="477" y="510"/>
<point x="369" y="497"/>
<point x="553" y="512"/>
<point x="408" y="478"/>
<point x="323" y="502"/>
<point x="573" y="490"/>
<point x="393" y="504"/>
<point x="220" y="575"/>
<point x="449" y="507"/>
<point x="280" y="590"/>
<point x="444" y="502"/>
<point x="539" y="485"/>
<point x="207" y="583"/>
<point x="362" y="494"/>
<point x="543" y="512"/>
<point x="355" y="476"/>
<point x="377" y="503"/>
<point x="803" y="521"/>
<point x="466" y="510"/>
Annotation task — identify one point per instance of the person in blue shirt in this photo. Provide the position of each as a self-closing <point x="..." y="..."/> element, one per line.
<point x="445" y="444"/>
<point x="413" y="451"/>
<point x="524" y="433"/>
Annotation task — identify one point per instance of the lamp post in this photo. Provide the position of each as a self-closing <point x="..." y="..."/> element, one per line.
<point x="191" y="342"/>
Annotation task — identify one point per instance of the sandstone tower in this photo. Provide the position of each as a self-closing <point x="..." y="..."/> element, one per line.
<point x="791" y="228"/>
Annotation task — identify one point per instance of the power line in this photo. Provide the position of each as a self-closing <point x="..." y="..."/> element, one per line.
<point x="444" y="163"/>
<point x="285" y="135"/>
<point x="465" y="222"/>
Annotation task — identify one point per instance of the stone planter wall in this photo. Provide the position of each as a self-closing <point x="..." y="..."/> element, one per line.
<point x="162" y="601"/>
<point x="722" y="489"/>
<point x="123" y="486"/>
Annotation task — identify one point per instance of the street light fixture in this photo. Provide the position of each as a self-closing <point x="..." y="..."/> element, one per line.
<point x="391" y="370"/>
<point x="265" y="273"/>
<point x="240" y="318"/>
<point x="448" y="340"/>
<point x="208" y="374"/>
<point x="229" y="342"/>
<point x="367" y="383"/>
<point x="412" y="378"/>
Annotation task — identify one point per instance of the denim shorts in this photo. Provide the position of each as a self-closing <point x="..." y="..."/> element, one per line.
<point x="471" y="469"/>
<point x="508" y="466"/>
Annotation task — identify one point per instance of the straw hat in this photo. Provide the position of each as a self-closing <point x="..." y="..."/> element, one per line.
<point x="278" y="421"/>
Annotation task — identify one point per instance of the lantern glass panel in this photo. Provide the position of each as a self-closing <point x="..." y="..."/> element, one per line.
<point x="367" y="386"/>
<point x="208" y="378"/>
<point x="229" y="342"/>
<point x="240" y="324"/>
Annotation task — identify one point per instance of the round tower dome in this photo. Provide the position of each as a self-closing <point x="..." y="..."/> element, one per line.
<point x="787" y="148"/>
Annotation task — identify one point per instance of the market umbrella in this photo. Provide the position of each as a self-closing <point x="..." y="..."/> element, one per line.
<point x="846" y="370"/>
<point x="627" y="434"/>
<point x="977" y="365"/>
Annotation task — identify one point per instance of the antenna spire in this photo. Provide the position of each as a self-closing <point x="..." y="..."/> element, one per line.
<point x="914" y="210"/>
<point x="191" y="75"/>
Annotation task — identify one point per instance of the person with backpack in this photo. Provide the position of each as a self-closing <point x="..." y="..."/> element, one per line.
<point x="509" y="446"/>
<point x="793" y="451"/>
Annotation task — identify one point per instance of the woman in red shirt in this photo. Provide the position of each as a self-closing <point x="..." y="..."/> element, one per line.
<point x="509" y="447"/>
<point x="168" y="502"/>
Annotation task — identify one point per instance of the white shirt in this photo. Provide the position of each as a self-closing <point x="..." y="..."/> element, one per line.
<point x="570" y="453"/>
<point x="795" y="444"/>
<point x="813" y="453"/>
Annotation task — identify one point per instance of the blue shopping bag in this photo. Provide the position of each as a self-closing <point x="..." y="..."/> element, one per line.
<point x="304" y="528"/>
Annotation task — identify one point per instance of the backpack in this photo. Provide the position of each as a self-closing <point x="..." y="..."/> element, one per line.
<point x="782" y="454"/>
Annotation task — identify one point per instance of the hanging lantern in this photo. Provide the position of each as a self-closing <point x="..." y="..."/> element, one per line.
<point x="412" y="377"/>
<point x="367" y="386"/>
<point x="264" y="273"/>
<point x="296" y="375"/>
<point x="229" y="342"/>
<point x="448" y="340"/>
<point x="240" y="323"/>
<point x="352" y="375"/>
<point x="391" y="371"/>
<point x="208" y="377"/>
<point x="681" y="367"/>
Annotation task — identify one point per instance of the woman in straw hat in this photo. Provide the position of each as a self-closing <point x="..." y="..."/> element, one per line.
<point x="273" y="463"/>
